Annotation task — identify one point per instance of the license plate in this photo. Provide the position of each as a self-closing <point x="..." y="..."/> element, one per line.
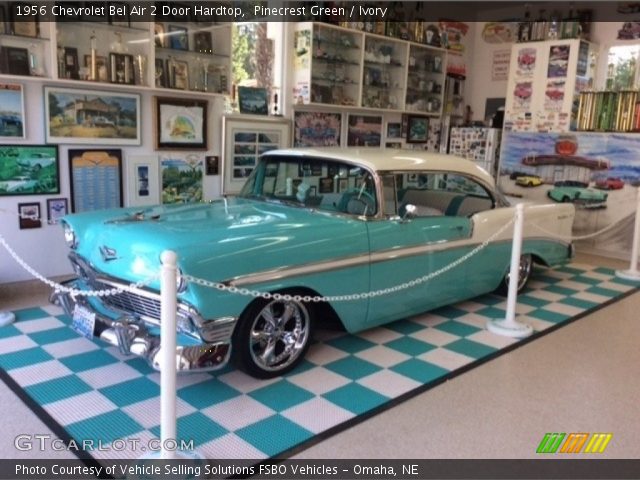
<point x="84" y="321"/>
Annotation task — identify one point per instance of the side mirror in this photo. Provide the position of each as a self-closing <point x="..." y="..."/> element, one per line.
<point x="409" y="212"/>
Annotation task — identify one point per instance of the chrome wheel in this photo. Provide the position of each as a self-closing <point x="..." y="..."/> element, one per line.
<point x="278" y="335"/>
<point x="524" y="272"/>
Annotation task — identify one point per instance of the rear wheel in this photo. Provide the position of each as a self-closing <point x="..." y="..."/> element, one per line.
<point x="524" y="273"/>
<point x="272" y="337"/>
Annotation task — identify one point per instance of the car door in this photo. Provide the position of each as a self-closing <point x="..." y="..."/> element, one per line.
<point x="404" y="249"/>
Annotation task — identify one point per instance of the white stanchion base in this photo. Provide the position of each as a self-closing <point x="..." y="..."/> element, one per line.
<point x="509" y="328"/>
<point x="6" y="318"/>
<point x="154" y="458"/>
<point x="633" y="275"/>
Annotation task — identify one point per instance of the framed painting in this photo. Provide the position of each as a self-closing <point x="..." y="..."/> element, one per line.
<point x="12" y="125"/>
<point x="180" y="123"/>
<point x="143" y="180"/>
<point x="394" y="130"/>
<point x="203" y="42"/>
<point x="253" y="100"/>
<point x="244" y="141"/>
<point x="212" y="165"/>
<point x="14" y="61"/>
<point x="91" y="116"/>
<point x="29" y="170"/>
<point x="56" y="209"/>
<point x="23" y="25"/>
<point x="29" y="215"/>
<point x="317" y="129"/>
<point x="96" y="179"/>
<point x="364" y="131"/>
<point x="178" y="37"/>
<point x="417" y="129"/>
<point x="182" y="175"/>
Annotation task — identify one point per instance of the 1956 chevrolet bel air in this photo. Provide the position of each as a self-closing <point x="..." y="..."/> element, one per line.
<point x="308" y="222"/>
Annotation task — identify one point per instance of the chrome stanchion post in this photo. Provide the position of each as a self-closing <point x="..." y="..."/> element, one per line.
<point x="168" y="371"/>
<point x="509" y="326"/>
<point x="633" y="273"/>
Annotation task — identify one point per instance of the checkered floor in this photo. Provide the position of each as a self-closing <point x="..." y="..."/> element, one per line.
<point x="95" y="393"/>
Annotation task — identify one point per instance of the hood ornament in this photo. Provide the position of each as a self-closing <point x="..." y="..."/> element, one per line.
<point x="108" y="253"/>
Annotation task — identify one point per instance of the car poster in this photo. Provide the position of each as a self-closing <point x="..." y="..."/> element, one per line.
<point x="558" y="61"/>
<point x="526" y="62"/>
<point x="522" y="96"/>
<point x="554" y="95"/>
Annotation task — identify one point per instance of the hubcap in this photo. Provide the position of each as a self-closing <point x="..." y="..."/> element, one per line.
<point x="524" y="270"/>
<point x="279" y="334"/>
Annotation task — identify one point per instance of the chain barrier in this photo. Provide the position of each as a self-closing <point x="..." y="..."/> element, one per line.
<point x="577" y="237"/>
<point x="354" y="296"/>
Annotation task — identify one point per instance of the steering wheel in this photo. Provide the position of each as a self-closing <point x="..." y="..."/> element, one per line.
<point x="358" y="195"/>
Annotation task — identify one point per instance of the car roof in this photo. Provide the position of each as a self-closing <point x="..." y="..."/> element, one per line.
<point x="392" y="159"/>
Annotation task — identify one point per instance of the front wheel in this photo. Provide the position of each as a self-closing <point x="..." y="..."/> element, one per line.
<point x="524" y="273"/>
<point x="272" y="337"/>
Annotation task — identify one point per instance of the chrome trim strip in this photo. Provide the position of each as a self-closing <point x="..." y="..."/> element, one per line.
<point x="359" y="260"/>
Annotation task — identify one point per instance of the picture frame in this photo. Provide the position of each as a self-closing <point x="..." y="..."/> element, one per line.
<point x="71" y="66"/>
<point x="203" y="42"/>
<point x="29" y="215"/>
<point x="29" y="170"/>
<point x="160" y="73"/>
<point x="70" y="117"/>
<point x="326" y="185"/>
<point x="417" y="129"/>
<point x="180" y="123"/>
<point x="14" y="61"/>
<point x="119" y="19"/>
<point x="178" y="74"/>
<point x="261" y="134"/>
<point x="96" y="179"/>
<point x="212" y="165"/>
<point x="178" y="37"/>
<point x="315" y="129"/>
<point x="3" y="20"/>
<point x="182" y="177"/>
<point x="394" y="130"/>
<point x="56" y="209"/>
<point x="343" y="185"/>
<point x="143" y="180"/>
<point x="364" y="131"/>
<point x="121" y="68"/>
<point x="12" y="111"/>
<point x="159" y="35"/>
<point x="21" y="26"/>
<point x="253" y="100"/>
<point x="102" y="70"/>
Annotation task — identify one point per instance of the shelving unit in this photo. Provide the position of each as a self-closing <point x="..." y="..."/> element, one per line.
<point x="341" y="67"/>
<point x="132" y="55"/>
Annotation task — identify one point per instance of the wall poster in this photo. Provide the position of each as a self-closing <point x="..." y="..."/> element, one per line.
<point x="96" y="179"/>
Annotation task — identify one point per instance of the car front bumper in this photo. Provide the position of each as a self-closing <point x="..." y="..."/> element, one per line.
<point x="134" y="336"/>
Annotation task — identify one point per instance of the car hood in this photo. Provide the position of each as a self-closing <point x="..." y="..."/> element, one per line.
<point x="230" y="238"/>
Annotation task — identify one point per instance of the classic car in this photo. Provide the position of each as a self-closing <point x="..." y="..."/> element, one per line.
<point x="386" y="217"/>
<point x="577" y="192"/>
<point x="528" y="180"/>
<point x="609" y="183"/>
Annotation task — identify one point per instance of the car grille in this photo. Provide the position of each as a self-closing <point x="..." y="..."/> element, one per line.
<point x="134" y="303"/>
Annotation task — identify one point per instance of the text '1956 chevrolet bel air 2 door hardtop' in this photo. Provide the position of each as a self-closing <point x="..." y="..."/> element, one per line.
<point x="308" y="223"/>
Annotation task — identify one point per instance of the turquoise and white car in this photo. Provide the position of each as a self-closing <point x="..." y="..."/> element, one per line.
<point x="308" y="223"/>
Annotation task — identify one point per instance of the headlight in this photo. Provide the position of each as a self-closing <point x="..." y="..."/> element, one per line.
<point x="70" y="236"/>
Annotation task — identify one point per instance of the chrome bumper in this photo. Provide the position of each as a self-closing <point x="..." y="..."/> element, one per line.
<point x="132" y="337"/>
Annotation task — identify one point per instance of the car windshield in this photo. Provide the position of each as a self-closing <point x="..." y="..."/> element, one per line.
<point x="326" y="185"/>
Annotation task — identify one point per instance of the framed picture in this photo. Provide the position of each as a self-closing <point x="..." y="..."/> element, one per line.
<point x="121" y="68"/>
<point x="29" y="170"/>
<point x="364" y="131"/>
<point x="178" y="38"/>
<point x="244" y="140"/>
<point x="343" y="185"/>
<point x="29" y="215"/>
<point x="417" y="129"/>
<point x="25" y="26"/>
<point x="326" y="185"/>
<point x="394" y="130"/>
<point x="202" y="42"/>
<point x="56" y="209"/>
<point x="178" y="74"/>
<point x="3" y="20"/>
<point x="160" y="73"/>
<point x="159" y="35"/>
<point x="12" y="124"/>
<point x="120" y="15"/>
<point x="102" y="70"/>
<point x="143" y="180"/>
<point x="316" y="129"/>
<point x="71" y="66"/>
<point x="96" y="179"/>
<point x="180" y="123"/>
<point x="212" y="165"/>
<point x="181" y="177"/>
<point x="91" y="116"/>
<point x="253" y="100"/>
<point x="14" y="61"/>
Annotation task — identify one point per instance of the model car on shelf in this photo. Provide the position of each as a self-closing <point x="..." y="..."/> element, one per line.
<point x="307" y="223"/>
<point x="609" y="183"/>
<point x="577" y="192"/>
<point x="528" y="181"/>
